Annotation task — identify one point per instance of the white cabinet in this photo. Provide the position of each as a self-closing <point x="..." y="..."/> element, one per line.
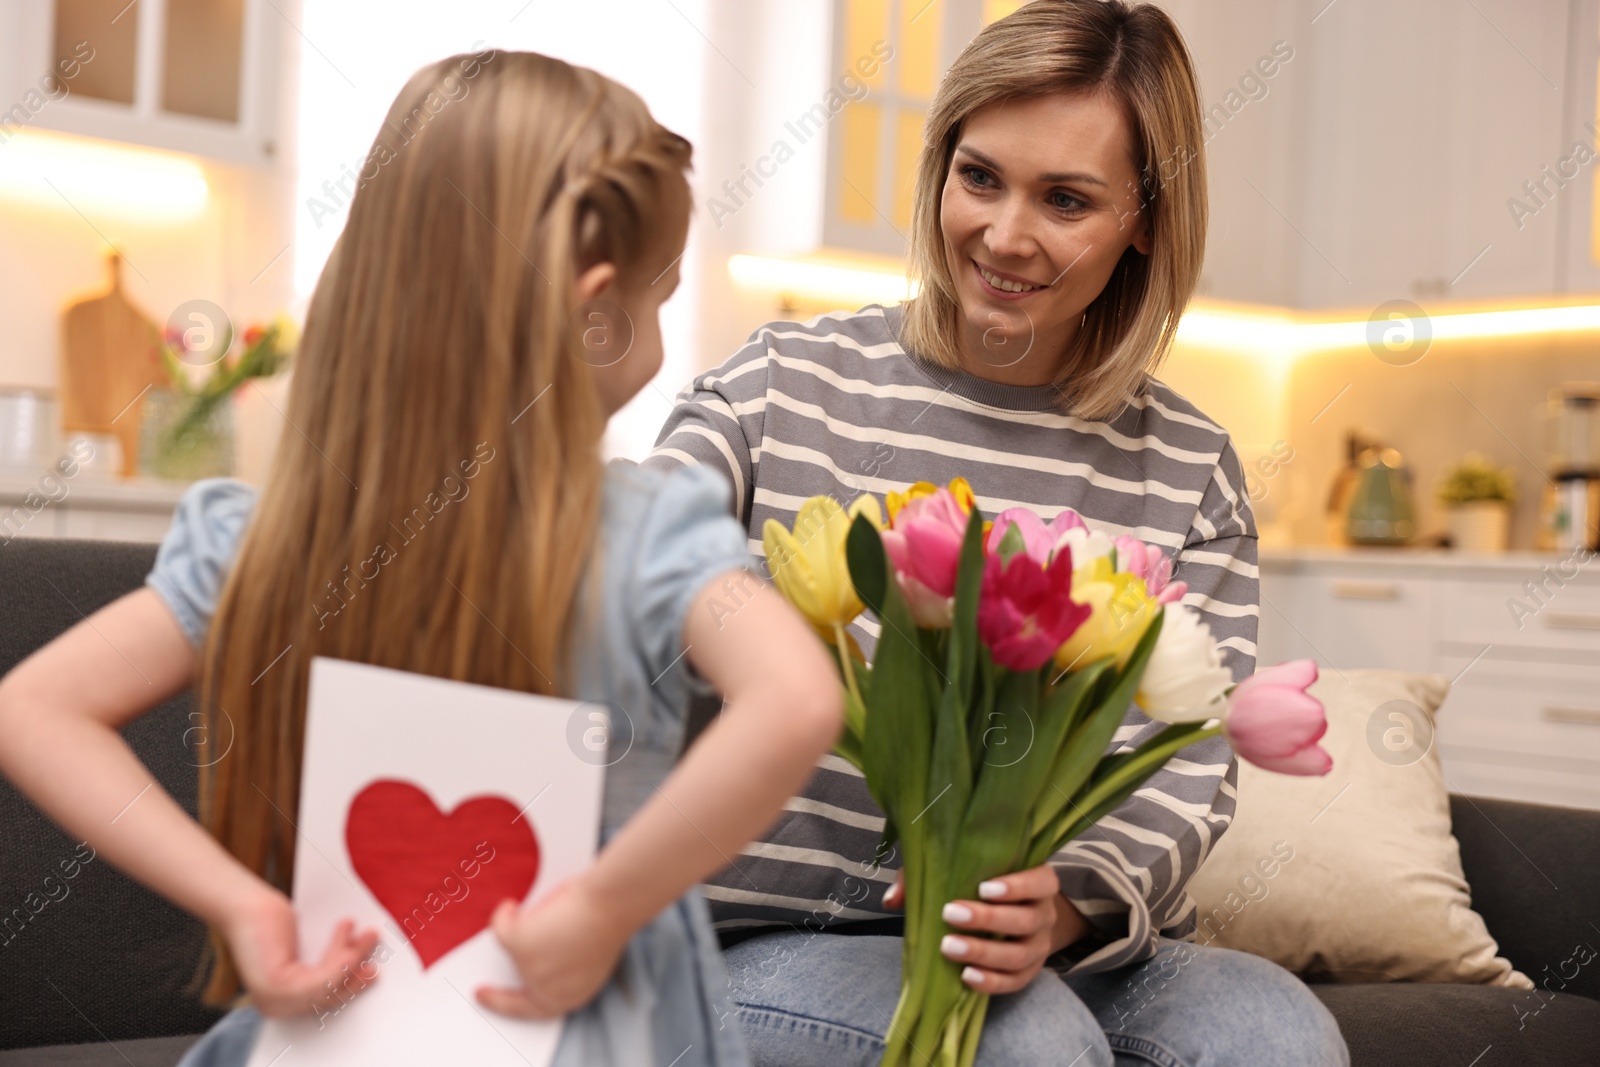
<point x="1347" y="621"/>
<point x="1578" y="252"/>
<point x="195" y="76"/>
<point x="1518" y="635"/>
<point x="1379" y="163"/>
<point x="85" y="508"/>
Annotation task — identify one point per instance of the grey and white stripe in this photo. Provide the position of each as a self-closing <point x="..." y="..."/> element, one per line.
<point x="836" y="406"/>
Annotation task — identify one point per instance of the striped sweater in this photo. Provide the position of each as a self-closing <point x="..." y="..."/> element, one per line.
<point x="836" y="406"/>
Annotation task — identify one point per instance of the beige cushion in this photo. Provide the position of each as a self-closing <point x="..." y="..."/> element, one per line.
<point x="1354" y="877"/>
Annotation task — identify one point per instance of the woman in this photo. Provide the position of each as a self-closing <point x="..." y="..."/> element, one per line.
<point x="1058" y="232"/>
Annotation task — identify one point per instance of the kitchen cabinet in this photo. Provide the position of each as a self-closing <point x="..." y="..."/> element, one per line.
<point x="1522" y="720"/>
<point x="1400" y="152"/>
<point x="1578" y="239"/>
<point x="886" y="60"/>
<point x="887" y="57"/>
<point x="1380" y="163"/>
<point x="92" y="509"/>
<point x="193" y="76"/>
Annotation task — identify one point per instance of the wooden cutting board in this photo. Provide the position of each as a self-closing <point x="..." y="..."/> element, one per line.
<point x="109" y="357"/>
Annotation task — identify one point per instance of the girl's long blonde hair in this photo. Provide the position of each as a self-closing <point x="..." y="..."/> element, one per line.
<point x="434" y="501"/>
<point x="1135" y="54"/>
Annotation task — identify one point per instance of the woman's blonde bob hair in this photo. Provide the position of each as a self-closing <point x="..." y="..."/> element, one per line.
<point x="1135" y="54"/>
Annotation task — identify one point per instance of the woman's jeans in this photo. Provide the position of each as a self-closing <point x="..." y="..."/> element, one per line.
<point x="824" y="1000"/>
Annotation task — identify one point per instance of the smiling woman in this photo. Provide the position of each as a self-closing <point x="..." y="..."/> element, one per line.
<point x="1090" y="245"/>
<point x="1057" y="234"/>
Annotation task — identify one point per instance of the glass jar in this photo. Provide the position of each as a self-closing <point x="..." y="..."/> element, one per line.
<point x="186" y="438"/>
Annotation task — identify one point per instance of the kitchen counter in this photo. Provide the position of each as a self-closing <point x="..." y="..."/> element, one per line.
<point x="1431" y="561"/>
<point x="36" y="503"/>
<point x="1517" y="634"/>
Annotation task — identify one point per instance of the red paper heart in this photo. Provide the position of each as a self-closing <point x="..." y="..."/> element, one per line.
<point x="439" y="875"/>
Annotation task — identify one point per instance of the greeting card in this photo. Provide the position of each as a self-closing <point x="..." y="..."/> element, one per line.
<point x="423" y="804"/>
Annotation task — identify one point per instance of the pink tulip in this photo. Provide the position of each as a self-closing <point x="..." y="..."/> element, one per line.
<point x="1038" y="539"/>
<point x="1026" y="611"/>
<point x="924" y="547"/>
<point x="1274" y="723"/>
<point x="1150" y="564"/>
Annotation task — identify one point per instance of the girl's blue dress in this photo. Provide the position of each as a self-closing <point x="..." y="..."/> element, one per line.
<point x="663" y="538"/>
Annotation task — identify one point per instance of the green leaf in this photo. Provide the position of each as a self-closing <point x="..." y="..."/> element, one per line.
<point x="1011" y="543"/>
<point x="1082" y="754"/>
<point x="869" y="570"/>
<point x="905" y="688"/>
<point x="969" y="585"/>
<point x="994" y="834"/>
<point x="848" y="747"/>
<point x="1121" y="774"/>
<point x="891" y="834"/>
<point x="855" y="724"/>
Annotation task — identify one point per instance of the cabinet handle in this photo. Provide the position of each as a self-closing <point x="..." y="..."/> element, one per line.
<point x="1350" y="590"/>
<point x="1563" y="713"/>
<point x="1573" y="620"/>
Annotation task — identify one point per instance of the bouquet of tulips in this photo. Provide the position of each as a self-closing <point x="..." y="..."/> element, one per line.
<point x="1009" y="654"/>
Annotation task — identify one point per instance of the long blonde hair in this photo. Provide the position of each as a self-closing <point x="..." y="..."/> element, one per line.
<point x="1136" y="54"/>
<point x="423" y="512"/>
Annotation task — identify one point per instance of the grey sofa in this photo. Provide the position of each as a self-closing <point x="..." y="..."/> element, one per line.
<point x="95" y="970"/>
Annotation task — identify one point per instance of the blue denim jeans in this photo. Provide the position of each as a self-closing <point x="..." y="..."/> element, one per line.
<point x="825" y="1000"/>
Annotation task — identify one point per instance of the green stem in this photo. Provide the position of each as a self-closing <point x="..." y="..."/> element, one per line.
<point x="844" y="659"/>
<point x="1086" y="808"/>
<point x="973" y="1030"/>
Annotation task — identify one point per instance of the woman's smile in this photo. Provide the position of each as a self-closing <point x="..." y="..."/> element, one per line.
<point x="1003" y="286"/>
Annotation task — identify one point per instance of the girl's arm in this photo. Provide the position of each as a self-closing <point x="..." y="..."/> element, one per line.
<point x="60" y="710"/>
<point x="783" y="712"/>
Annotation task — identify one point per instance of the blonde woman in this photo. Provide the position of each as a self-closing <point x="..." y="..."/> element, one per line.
<point x="1058" y="230"/>
<point x="506" y="554"/>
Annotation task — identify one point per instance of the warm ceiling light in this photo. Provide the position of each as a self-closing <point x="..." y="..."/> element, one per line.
<point x="100" y="179"/>
<point x="1256" y="331"/>
<point x="1260" y="331"/>
<point x="1292" y="335"/>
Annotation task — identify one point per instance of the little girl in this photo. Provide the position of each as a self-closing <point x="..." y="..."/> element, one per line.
<point x="438" y="504"/>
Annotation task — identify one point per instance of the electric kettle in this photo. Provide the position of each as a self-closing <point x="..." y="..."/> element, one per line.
<point x="1381" y="510"/>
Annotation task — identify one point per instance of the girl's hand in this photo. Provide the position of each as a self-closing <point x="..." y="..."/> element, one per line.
<point x="565" y="948"/>
<point x="266" y="950"/>
<point x="1026" y="907"/>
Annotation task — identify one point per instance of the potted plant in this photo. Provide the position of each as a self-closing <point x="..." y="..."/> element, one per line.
<point x="1477" y="496"/>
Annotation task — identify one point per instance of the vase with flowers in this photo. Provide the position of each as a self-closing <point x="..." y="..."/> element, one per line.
<point x="188" y="425"/>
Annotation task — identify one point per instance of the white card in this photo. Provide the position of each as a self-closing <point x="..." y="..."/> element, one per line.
<point x="403" y="772"/>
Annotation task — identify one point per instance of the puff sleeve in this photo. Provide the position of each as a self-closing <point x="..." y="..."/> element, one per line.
<point x="193" y="560"/>
<point x="686" y="538"/>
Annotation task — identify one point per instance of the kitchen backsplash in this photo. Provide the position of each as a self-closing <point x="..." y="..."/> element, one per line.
<point x="1289" y="418"/>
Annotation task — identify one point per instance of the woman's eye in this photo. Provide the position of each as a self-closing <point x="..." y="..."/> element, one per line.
<point x="1066" y="202"/>
<point x="977" y="177"/>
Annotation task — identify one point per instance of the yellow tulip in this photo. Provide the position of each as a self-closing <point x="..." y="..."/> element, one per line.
<point x="958" y="488"/>
<point x="1122" y="610"/>
<point x="808" y="565"/>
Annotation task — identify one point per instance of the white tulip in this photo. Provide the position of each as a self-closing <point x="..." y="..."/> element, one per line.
<point x="1185" y="679"/>
<point x="1085" y="544"/>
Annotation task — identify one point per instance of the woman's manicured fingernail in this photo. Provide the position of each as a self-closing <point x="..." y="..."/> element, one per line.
<point x="971" y="976"/>
<point x="957" y="913"/>
<point x="992" y="890"/>
<point x="952" y="945"/>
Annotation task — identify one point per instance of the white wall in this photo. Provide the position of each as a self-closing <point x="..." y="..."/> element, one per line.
<point x="357" y="58"/>
<point x="51" y="255"/>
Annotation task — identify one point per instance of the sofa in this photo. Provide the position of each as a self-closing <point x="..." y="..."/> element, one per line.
<point x="96" y="970"/>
